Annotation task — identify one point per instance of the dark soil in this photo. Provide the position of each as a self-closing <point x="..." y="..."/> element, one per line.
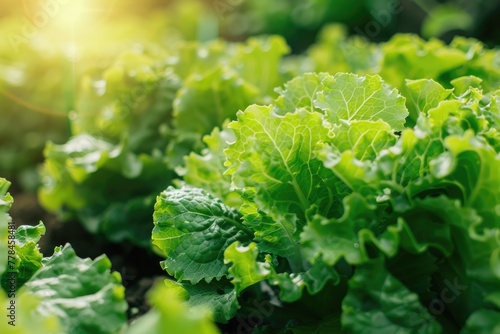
<point x="138" y="267"/>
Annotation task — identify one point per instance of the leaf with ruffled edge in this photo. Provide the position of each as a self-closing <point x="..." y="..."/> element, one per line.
<point x="192" y="230"/>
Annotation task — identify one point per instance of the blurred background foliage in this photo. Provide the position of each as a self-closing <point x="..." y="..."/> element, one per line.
<point x="46" y="47"/>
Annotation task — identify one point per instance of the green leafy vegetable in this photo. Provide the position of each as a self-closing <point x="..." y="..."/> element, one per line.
<point x="379" y="303"/>
<point x="58" y="294"/>
<point x="5" y="220"/>
<point x="84" y="295"/>
<point x="344" y="194"/>
<point x="139" y="117"/>
<point x="170" y="315"/>
<point x="33" y="320"/>
<point x="192" y="229"/>
<point x="27" y="258"/>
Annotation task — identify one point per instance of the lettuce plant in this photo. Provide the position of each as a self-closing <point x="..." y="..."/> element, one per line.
<point x="63" y="293"/>
<point x="335" y="210"/>
<point x="136" y="119"/>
